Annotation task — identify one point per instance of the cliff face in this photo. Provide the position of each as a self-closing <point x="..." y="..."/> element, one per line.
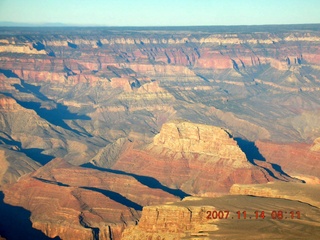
<point x="199" y="159"/>
<point x="104" y="100"/>
<point x="82" y="203"/>
<point x="195" y="218"/>
<point x="191" y="138"/>
<point x="289" y="156"/>
<point x="241" y="80"/>
<point x="171" y="222"/>
<point x="306" y="193"/>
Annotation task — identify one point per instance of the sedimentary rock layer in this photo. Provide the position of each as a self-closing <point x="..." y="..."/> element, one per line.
<point x="228" y="217"/>
<point x="199" y="159"/>
<point x="82" y="203"/>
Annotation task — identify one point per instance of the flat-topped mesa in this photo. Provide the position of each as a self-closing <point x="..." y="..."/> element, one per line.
<point x="25" y="49"/>
<point x="170" y="221"/>
<point x="187" y="137"/>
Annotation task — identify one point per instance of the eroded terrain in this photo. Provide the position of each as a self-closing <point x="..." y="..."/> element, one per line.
<point x="100" y="127"/>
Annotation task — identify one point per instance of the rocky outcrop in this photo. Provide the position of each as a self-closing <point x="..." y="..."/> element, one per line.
<point x="306" y="193"/>
<point x="108" y="97"/>
<point x="14" y="164"/>
<point x="9" y="104"/>
<point x="82" y="203"/>
<point x="171" y="222"/>
<point x="54" y="207"/>
<point x="200" y="159"/>
<point x="20" y="49"/>
<point x="197" y="218"/>
<point x="137" y="75"/>
<point x="316" y="145"/>
<point x="187" y="137"/>
<point x="290" y="155"/>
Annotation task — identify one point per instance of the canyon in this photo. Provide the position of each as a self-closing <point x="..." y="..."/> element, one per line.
<point x="135" y="133"/>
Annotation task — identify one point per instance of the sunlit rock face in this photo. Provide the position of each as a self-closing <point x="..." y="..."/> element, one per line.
<point x="151" y="116"/>
<point x="260" y="83"/>
<point x="220" y="217"/>
<point x="188" y="137"/>
<point x="82" y="203"/>
<point x="199" y="159"/>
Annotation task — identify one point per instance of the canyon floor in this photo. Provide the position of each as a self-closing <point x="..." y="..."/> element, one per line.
<point x="140" y="133"/>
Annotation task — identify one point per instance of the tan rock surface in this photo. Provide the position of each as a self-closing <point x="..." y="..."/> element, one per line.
<point x="14" y="164"/>
<point x="307" y="193"/>
<point x="188" y="219"/>
<point x="85" y="93"/>
<point x="199" y="159"/>
<point x="316" y="145"/>
<point x="187" y="137"/>
<point x="78" y="203"/>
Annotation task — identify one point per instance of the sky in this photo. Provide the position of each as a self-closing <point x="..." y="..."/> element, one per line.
<point x="160" y="12"/>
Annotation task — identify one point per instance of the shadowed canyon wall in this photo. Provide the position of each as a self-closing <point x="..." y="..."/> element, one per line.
<point x="97" y="124"/>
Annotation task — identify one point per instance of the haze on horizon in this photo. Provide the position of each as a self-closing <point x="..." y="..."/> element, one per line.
<point x="158" y="13"/>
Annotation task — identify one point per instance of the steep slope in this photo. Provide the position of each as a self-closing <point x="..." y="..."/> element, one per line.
<point x="14" y="164"/>
<point x="297" y="159"/>
<point x="81" y="203"/>
<point x="233" y="217"/>
<point x="39" y="138"/>
<point x="196" y="158"/>
<point x="306" y="193"/>
<point x="105" y="100"/>
<point x="242" y="79"/>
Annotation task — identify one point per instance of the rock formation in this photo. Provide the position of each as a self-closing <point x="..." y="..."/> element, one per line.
<point x="116" y="72"/>
<point x="300" y="160"/>
<point x="106" y="100"/>
<point x="82" y="203"/>
<point x="305" y="193"/>
<point x="316" y="145"/>
<point x="198" y="218"/>
<point x="186" y="137"/>
<point x="199" y="159"/>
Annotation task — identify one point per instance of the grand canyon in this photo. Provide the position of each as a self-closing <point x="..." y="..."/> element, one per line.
<point x="147" y="132"/>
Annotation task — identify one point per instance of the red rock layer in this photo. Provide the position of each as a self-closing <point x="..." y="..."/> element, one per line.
<point x="77" y="203"/>
<point x="296" y="159"/>
<point x="199" y="159"/>
<point x="198" y="218"/>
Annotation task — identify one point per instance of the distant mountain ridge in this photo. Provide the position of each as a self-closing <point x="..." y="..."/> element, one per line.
<point x="22" y="24"/>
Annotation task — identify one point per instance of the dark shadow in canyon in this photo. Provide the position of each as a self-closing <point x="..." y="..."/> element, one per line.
<point x="24" y="87"/>
<point x="52" y="182"/>
<point x="34" y="153"/>
<point x="252" y="153"/>
<point x="55" y="115"/>
<point x="116" y="197"/>
<point x="38" y="46"/>
<point x="145" y="180"/>
<point x="15" y="223"/>
<point x="95" y="231"/>
<point x="8" y="73"/>
<point x="250" y="150"/>
<point x="37" y="155"/>
<point x="109" y="194"/>
<point x="72" y="45"/>
<point x="278" y="168"/>
<point x="35" y="90"/>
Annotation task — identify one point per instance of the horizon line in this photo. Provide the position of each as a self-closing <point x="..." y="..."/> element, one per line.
<point x="58" y="24"/>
